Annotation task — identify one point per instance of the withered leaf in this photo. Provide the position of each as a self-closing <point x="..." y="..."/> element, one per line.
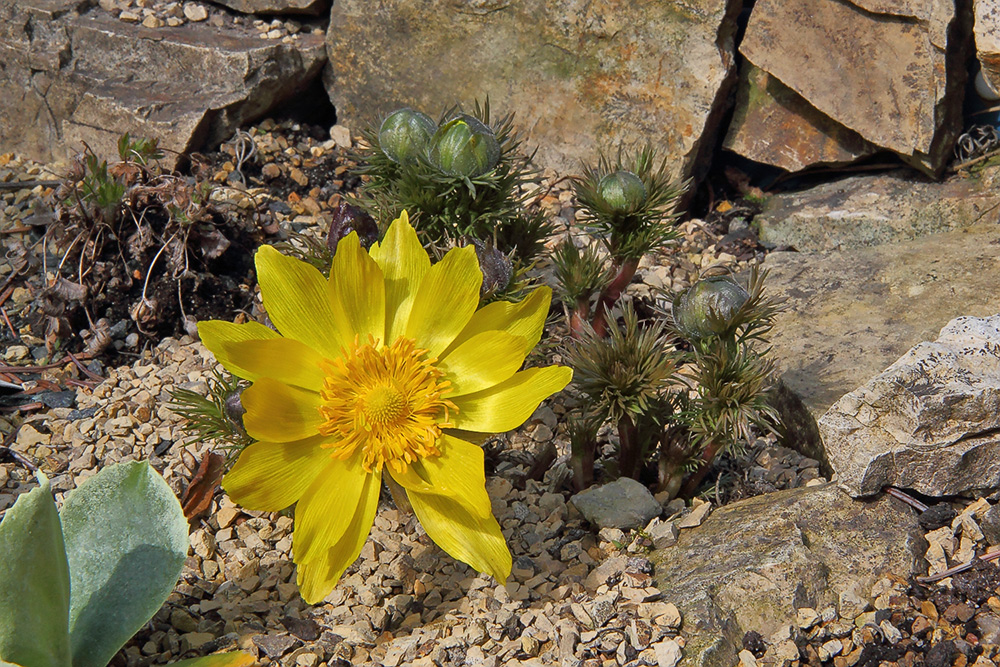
<point x="197" y="497"/>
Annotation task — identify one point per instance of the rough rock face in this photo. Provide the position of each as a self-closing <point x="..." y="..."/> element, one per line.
<point x="850" y="315"/>
<point x="930" y="422"/>
<point x="754" y="562"/>
<point x="312" y="7"/>
<point x="67" y="77"/>
<point x="579" y="76"/>
<point x="872" y="210"/>
<point x="891" y="70"/>
<point x="987" y="32"/>
<point x="773" y="124"/>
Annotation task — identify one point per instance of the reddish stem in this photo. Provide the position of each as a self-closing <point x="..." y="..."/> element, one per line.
<point x="578" y="319"/>
<point x="695" y="478"/>
<point x="612" y="293"/>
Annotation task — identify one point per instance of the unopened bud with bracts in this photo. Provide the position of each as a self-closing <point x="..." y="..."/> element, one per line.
<point x="623" y="191"/>
<point x="707" y="308"/>
<point x="346" y="219"/>
<point x="497" y="268"/>
<point x="404" y="134"/>
<point x="464" y="146"/>
<point x="233" y="407"/>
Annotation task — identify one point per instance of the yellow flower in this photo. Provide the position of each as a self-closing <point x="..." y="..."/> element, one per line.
<point x="386" y="366"/>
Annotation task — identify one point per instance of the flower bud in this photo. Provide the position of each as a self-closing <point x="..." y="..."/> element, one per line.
<point x="623" y="191"/>
<point x="464" y="146"/>
<point x="496" y="267"/>
<point x="707" y="307"/>
<point x="233" y="407"/>
<point x="404" y="134"/>
<point x="347" y="219"/>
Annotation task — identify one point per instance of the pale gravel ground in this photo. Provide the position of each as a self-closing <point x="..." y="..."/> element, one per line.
<point x="575" y="597"/>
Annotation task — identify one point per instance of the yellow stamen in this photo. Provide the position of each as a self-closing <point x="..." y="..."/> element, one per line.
<point x="388" y="401"/>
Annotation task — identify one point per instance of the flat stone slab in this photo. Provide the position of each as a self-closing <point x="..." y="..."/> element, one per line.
<point x="870" y="210"/>
<point x="852" y="314"/>
<point x="754" y="562"/>
<point x="930" y="422"/>
<point x="73" y="73"/>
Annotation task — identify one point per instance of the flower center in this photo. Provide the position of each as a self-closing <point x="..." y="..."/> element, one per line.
<point x="386" y="401"/>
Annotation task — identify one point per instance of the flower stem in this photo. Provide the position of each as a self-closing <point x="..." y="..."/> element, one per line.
<point x="695" y="478"/>
<point x="612" y="293"/>
<point x="579" y="316"/>
<point x="628" y="453"/>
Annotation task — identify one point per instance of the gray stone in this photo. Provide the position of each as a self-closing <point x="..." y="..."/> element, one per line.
<point x="579" y="76"/>
<point x="872" y="210"/>
<point x="70" y="78"/>
<point x="850" y="315"/>
<point x="773" y="124"/>
<point x="891" y="70"/>
<point x="929" y="422"/>
<point x="311" y="7"/>
<point x="990" y="525"/>
<point x="754" y="562"/>
<point x="624" y="503"/>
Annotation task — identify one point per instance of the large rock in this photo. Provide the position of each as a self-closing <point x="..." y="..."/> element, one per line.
<point x="754" y="562"/>
<point x="891" y="70"/>
<point x="311" y="7"/>
<point x="987" y="32"/>
<point x="930" y="422"/>
<point x="69" y="75"/>
<point x="852" y="314"/>
<point x="773" y="124"/>
<point x="871" y="210"/>
<point x="579" y="75"/>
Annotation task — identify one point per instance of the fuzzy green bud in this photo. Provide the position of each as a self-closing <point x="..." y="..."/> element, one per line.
<point x="404" y="135"/>
<point x="707" y="307"/>
<point x="464" y="146"/>
<point x="623" y="191"/>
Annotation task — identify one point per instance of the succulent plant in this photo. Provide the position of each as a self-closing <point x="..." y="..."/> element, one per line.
<point x="404" y="134"/>
<point x="78" y="583"/>
<point x="707" y="307"/>
<point x="464" y="146"/>
<point x="622" y="191"/>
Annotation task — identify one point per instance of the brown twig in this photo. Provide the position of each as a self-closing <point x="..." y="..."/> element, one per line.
<point x="905" y="497"/>
<point x="930" y="579"/>
<point x="86" y="371"/>
<point x="20" y="185"/>
<point x="6" y="453"/>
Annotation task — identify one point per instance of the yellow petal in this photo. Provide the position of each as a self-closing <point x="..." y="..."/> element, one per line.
<point x="317" y="577"/>
<point x="357" y="292"/>
<point x="278" y="412"/>
<point x="297" y="301"/>
<point x="525" y="318"/>
<point x="283" y="359"/>
<point x="482" y="361"/>
<point x="508" y="404"/>
<point x="328" y="507"/>
<point x="215" y="334"/>
<point x="445" y="301"/>
<point x="270" y="476"/>
<point x="471" y="539"/>
<point x="459" y="473"/>
<point x="404" y="262"/>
